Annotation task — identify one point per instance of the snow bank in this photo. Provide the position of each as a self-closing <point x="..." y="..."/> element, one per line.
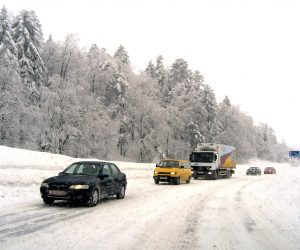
<point x="27" y="159"/>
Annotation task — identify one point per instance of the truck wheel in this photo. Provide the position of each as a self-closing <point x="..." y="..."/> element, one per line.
<point x="177" y="181"/>
<point x="228" y="174"/>
<point x="195" y="177"/>
<point x="156" y="181"/>
<point x="215" y="175"/>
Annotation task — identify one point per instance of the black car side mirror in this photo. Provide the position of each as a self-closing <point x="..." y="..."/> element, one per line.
<point x="102" y="176"/>
<point x="60" y="173"/>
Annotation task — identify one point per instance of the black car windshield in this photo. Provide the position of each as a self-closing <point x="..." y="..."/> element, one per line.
<point x="83" y="168"/>
<point x="169" y="164"/>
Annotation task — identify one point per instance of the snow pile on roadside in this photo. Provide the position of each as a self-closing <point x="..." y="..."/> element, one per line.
<point x="27" y="159"/>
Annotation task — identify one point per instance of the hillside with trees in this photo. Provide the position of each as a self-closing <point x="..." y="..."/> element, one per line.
<point x="56" y="97"/>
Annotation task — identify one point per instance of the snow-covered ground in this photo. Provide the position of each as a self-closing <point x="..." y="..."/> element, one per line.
<point x="244" y="212"/>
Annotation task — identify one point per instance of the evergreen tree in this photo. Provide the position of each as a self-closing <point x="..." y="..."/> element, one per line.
<point x="93" y="63"/>
<point x="180" y="71"/>
<point x="225" y="114"/>
<point x="194" y="135"/>
<point x="28" y="37"/>
<point x="197" y="82"/>
<point x="116" y="86"/>
<point x="226" y="101"/>
<point x="211" y="122"/>
<point x="123" y="131"/>
<point x="51" y="57"/>
<point x="150" y="70"/>
<point x="122" y="57"/>
<point x="160" y="72"/>
<point x="8" y="49"/>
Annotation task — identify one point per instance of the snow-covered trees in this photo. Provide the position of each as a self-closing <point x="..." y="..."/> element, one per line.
<point x="10" y="104"/>
<point x="160" y="72"/>
<point x="28" y="37"/>
<point x="95" y="58"/>
<point x="205" y="110"/>
<point x="51" y="57"/>
<point x="8" y="49"/>
<point x="122" y="55"/>
<point x="150" y="70"/>
<point x="122" y="58"/>
<point x="179" y="71"/>
<point x="59" y="98"/>
<point x="265" y="141"/>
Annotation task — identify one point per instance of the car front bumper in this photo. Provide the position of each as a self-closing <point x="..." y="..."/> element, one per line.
<point x="165" y="178"/>
<point x="67" y="194"/>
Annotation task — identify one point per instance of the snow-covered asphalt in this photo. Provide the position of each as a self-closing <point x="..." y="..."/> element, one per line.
<point x="244" y="212"/>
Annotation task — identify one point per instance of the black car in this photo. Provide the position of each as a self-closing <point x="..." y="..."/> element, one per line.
<point x="85" y="181"/>
<point x="253" y="171"/>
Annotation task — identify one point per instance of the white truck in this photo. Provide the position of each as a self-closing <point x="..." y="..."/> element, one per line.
<point x="212" y="161"/>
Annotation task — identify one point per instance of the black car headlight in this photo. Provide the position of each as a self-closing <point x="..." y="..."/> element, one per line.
<point x="79" y="186"/>
<point x="45" y="185"/>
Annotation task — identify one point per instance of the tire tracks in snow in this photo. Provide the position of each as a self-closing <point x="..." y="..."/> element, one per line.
<point x="29" y="220"/>
<point x="189" y="237"/>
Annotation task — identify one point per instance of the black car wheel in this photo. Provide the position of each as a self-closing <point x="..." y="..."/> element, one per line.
<point x="48" y="201"/>
<point x="156" y="181"/>
<point x="177" y="181"/>
<point x="121" y="194"/>
<point x="93" y="199"/>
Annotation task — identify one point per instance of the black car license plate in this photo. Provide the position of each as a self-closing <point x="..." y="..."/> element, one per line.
<point x="57" y="192"/>
<point x="163" y="178"/>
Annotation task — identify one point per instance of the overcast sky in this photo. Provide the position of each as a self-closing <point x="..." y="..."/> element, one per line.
<point x="248" y="50"/>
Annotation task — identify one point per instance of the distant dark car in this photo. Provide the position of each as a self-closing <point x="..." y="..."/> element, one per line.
<point x="253" y="171"/>
<point x="269" y="170"/>
<point x="85" y="181"/>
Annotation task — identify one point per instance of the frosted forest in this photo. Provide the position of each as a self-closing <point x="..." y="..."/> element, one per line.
<point x="83" y="102"/>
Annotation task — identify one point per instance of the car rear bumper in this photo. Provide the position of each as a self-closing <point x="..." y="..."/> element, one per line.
<point x="253" y="173"/>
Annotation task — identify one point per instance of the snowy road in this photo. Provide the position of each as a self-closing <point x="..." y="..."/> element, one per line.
<point x="244" y="212"/>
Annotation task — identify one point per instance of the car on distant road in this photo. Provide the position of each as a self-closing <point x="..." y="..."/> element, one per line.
<point x="270" y="170"/>
<point x="253" y="171"/>
<point x="85" y="181"/>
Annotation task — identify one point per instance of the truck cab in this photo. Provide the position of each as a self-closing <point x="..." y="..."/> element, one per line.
<point x="212" y="161"/>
